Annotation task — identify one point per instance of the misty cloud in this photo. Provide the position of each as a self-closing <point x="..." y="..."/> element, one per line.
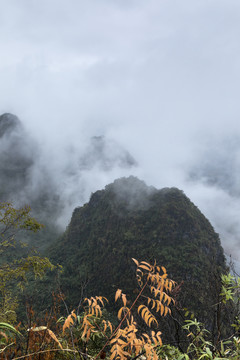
<point x="51" y="188"/>
<point x="215" y="176"/>
<point x="131" y="193"/>
<point x="16" y="156"/>
<point x="218" y="165"/>
<point x="156" y="80"/>
<point x="105" y="154"/>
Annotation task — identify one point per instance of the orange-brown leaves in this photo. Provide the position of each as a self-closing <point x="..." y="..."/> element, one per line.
<point x="118" y="294"/>
<point x="154" y="288"/>
<point x="93" y="311"/>
<point x="69" y="320"/>
<point x="147" y="316"/>
<point x="136" y="262"/>
<point x="94" y="305"/>
<point x="88" y="327"/>
<point x="159" y="285"/>
<point x="125" y="343"/>
<point x="107" y="324"/>
<point x="48" y="334"/>
<point x="153" y="298"/>
<point x="123" y="310"/>
<point x="53" y="336"/>
<point x="88" y="322"/>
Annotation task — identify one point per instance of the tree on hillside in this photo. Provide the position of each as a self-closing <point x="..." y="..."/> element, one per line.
<point x="14" y="269"/>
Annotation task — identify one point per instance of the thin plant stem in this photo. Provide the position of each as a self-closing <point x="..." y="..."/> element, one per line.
<point x="122" y="320"/>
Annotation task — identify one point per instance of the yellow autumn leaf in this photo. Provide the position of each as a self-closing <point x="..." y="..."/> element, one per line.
<point x="88" y="300"/>
<point x="155" y="341"/>
<point x="88" y="334"/>
<point x="166" y="297"/>
<point x="144" y="311"/>
<point x="105" y="325"/>
<point x="154" y="304"/>
<point x="164" y="269"/>
<point x="146" y="336"/>
<point x="140" y="307"/>
<point x="124" y="299"/>
<point x="146" y="318"/>
<point x="53" y="336"/>
<point x="166" y="310"/>
<point x="73" y="314"/>
<point x="84" y="331"/>
<point x="118" y="294"/>
<point x="166" y="285"/>
<point x="136" y="262"/>
<point x="121" y="342"/>
<point x="114" y="340"/>
<point x="152" y="319"/>
<point x="146" y="263"/>
<point x="110" y="326"/>
<point x="113" y="356"/>
<point x="144" y="267"/>
<point x="162" y="309"/>
<point x="120" y="313"/>
<point x="68" y="322"/>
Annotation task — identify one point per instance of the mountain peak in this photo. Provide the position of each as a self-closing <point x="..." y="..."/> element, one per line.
<point x="129" y="219"/>
<point x="8" y="122"/>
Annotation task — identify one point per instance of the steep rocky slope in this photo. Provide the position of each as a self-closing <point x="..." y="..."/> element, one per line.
<point x="129" y="219"/>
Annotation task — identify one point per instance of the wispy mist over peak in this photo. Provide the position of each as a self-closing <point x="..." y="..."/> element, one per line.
<point x="9" y="124"/>
<point x="17" y="153"/>
<point x="105" y="154"/>
<point x="132" y="193"/>
<point x="30" y="175"/>
<point x="111" y="89"/>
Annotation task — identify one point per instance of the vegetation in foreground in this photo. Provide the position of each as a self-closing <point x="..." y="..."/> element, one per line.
<point x="129" y="219"/>
<point x="88" y="331"/>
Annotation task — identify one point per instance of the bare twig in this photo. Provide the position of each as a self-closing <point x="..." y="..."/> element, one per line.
<point x="109" y="339"/>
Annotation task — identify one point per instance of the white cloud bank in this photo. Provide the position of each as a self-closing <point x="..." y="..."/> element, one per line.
<point x="161" y="78"/>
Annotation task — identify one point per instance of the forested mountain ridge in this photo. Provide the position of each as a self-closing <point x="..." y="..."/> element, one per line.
<point x="129" y="219"/>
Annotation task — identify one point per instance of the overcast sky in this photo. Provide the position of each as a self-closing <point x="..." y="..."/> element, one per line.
<point x="161" y="78"/>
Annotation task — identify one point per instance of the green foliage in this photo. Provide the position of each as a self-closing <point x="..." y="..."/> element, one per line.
<point x="230" y="287"/>
<point x="88" y="334"/>
<point x="7" y="335"/>
<point x="14" y="270"/>
<point x="8" y="307"/>
<point x="117" y="224"/>
<point x="168" y="352"/>
<point x="12" y="220"/>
